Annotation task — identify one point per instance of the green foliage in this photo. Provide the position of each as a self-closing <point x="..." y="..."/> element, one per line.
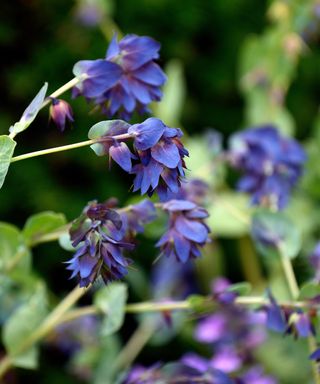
<point x="230" y="215"/>
<point x="111" y="301"/>
<point x="242" y="289"/>
<point x="14" y="254"/>
<point x="309" y="291"/>
<point x="7" y="146"/>
<point x="25" y="320"/>
<point x="170" y="107"/>
<point x="274" y="233"/>
<point x="101" y="129"/>
<point x="42" y="223"/>
<point x="31" y="112"/>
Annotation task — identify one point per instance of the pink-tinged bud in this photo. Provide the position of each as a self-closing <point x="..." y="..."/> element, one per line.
<point x="60" y="113"/>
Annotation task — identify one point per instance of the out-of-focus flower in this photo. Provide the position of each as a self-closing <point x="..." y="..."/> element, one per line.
<point x="137" y="215"/>
<point x="99" y="235"/>
<point x="142" y="375"/>
<point x="90" y="13"/>
<point x="73" y="335"/>
<point x="194" y="190"/>
<point x="161" y="154"/>
<point x="60" y="113"/>
<point x="272" y="164"/>
<point x="130" y="81"/>
<point x="187" y="230"/>
<point x="314" y="259"/>
<point x="256" y="375"/>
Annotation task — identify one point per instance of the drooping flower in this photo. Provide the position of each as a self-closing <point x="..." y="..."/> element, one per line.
<point x="158" y="154"/>
<point x="127" y="79"/>
<point x="60" y="113"/>
<point x="99" y="235"/>
<point x="187" y="230"/>
<point x="136" y="216"/>
<point x="161" y="164"/>
<point x="272" y="164"/>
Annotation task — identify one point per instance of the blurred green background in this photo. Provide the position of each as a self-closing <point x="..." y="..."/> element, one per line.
<point x="231" y="64"/>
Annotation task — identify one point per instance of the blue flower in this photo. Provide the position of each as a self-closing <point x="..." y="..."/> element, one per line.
<point x="98" y="236"/>
<point x="60" y="112"/>
<point x="161" y="154"/>
<point x="136" y="216"/>
<point x="187" y="230"/>
<point x="272" y="164"/>
<point x="127" y="80"/>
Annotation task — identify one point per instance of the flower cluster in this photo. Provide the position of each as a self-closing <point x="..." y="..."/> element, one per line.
<point x="187" y="230"/>
<point x="127" y="79"/>
<point x="287" y="320"/>
<point x="97" y="234"/>
<point x="158" y="158"/>
<point x="272" y="164"/>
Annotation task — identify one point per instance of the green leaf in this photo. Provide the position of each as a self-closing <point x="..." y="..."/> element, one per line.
<point x="7" y="146"/>
<point x="242" y="289"/>
<point x="25" y="320"/>
<point x="13" y="251"/>
<point x="31" y="112"/>
<point x="230" y="215"/>
<point x="102" y="129"/>
<point x="42" y="223"/>
<point x="309" y="291"/>
<point x="111" y="300"/>
<point x="169" y="109"/>
<point x="273" y="232"/>
<point x="65" y="242"/>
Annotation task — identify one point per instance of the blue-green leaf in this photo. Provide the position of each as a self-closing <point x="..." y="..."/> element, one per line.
<point x="273" y="232"/>
<point x="31" y="112"/>
<point x="7" y="146"/>
<point x="111" y="300"/>
<point x="42" y="223"/>
<point x="21" y="324"/>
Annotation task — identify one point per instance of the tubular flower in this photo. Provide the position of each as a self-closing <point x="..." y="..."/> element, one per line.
<point x="272" y="164"/>
<point x="127" y="79"/>
<point x="161" y="153"/>
<point x="60" y="113"/>
<point x="99" y="237"/>
<point x="187" y="231"/>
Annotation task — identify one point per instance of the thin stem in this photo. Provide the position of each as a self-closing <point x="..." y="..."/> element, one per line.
<point x="294" y="290"/>
<point x="70" y="84"/>
<point x="70" y="146"/>
<point x="135" y="345"/>
<point x="51" y="321"/>
<point x="53" y="150"/>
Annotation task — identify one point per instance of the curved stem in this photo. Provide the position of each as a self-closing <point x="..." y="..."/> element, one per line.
<point x="50" y="322"/>
<point x="70" y="84"/>
<point x="53" y="150"/>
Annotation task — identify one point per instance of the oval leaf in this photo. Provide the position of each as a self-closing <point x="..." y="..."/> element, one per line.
<point x="7" y="146"/>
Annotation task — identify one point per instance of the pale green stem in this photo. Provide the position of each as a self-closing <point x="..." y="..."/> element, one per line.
<point x="51" y="321"/>
<point x="69" y="146"/>
<point x="134" y="346"/>
<point x="294" y="290"/>
<point x="52" y="150"/>
<point x="70" y="84"/>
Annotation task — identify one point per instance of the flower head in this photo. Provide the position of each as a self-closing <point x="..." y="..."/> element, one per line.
<point x="161" y="153"/>
<point x="127" y="79"/>
<point x="272" y="164"/>
<point x="187" y="230"/>
<point x="60" y="113"/>
<point x="99" y="235"/>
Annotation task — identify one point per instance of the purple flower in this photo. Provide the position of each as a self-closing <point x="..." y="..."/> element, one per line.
<point x="161" y="154"/>
<point x="256" y="375"/>
<point x="73" y="335"/>
<point x="276" y="319"/>
<point x="187" y="230"/>
<point x="60" y="112"/>
<point x="136" y="216"/>
<point x="272" y="164"/>
<point x="126" y="80"/>
<point x="99" y="235"/>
